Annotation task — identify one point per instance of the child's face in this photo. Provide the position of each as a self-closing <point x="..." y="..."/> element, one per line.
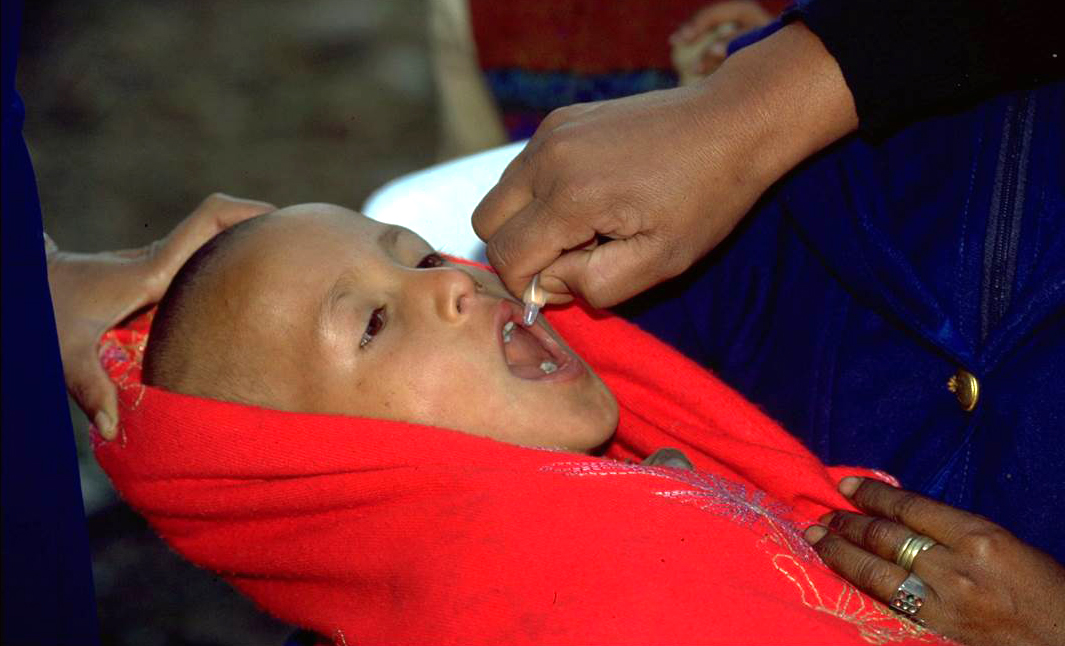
<point x="346" y="315"/>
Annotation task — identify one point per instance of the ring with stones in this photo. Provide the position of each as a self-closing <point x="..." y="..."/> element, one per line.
<point x="909" y="597"/>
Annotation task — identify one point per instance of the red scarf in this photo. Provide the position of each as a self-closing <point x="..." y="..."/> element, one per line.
<point x="371" y="532"/>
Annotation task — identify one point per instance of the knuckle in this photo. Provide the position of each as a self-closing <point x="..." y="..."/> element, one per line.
<point x="871" y="574"/>
<point x="557" y="117"/>
<point x="905" y="505"/>
<point x="480" y="221"/>
<point x="504" y="255"/>
<point x="499" y="254"/>
<point x="550" y="122"/>
<point x="878" y="531"/>
<point x="480" y="227"/>
<point x="829" y="548"/>
<point x="158" y="268"/>
<point x="209" y="203"/>
<point x="156" y="249"/>
<point x="555" y="150"/>
<point x="573" y="200"/>
<point x="217" y="198"/>
<point x="985" y="543"/>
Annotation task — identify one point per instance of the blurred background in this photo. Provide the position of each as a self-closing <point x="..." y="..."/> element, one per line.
<point x="136" y="111"/>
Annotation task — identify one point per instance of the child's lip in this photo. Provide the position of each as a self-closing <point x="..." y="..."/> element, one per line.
<point x="569" y="366"/>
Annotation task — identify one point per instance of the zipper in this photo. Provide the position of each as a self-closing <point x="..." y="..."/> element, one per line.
<point x="1006" y="213"/>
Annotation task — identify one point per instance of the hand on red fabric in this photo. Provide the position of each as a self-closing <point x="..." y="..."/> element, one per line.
<point x="611" y="198"/>
<point x="984" y="586"/>
<point x="93" y="292"/>
<point x="742" y="15"/>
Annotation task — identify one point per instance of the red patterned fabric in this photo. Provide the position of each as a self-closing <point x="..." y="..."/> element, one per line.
<point x="581" y="36"/>
<point x="382" y="532"/>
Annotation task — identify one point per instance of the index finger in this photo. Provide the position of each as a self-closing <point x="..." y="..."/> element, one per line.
<point x="215" y="214"/>
<point x="934" y="519"/>
<point x="510" y="194"/>
<point x="609" y="273"/>
<point x="531" y="240"/>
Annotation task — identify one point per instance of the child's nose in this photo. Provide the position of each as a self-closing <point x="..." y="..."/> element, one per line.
<point x="453" y="292"/>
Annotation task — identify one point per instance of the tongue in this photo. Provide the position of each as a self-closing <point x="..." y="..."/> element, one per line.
<point x="524" y="354"/>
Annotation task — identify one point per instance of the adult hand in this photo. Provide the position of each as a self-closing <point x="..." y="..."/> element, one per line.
<point x="93" y="292"/>
<point x="610" y="198"/>
<point x="984" y="585"/>
<point x="729" y="19"/>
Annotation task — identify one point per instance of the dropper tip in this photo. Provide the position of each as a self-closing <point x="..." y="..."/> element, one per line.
<point x="534" y="300"/>
<point x="531" y="312"/>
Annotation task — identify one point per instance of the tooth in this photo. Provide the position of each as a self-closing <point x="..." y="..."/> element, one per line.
<point x="508" y="330"/>
<point x="548" y="367"/>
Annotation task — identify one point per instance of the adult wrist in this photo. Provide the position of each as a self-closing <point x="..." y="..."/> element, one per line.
<point x="793" y="94"/>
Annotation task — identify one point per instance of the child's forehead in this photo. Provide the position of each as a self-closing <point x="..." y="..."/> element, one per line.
<point x="314" y="230"/>
<point x="324" y="238"/>
<point x="325" y="215"/>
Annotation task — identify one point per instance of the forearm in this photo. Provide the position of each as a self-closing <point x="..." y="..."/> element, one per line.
<point x="904" y="60"/>
<point x="791" y="96"/>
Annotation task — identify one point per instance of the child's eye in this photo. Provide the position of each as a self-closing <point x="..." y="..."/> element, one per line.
<point x="432" y="260"/>
<point x="376" y="324"/>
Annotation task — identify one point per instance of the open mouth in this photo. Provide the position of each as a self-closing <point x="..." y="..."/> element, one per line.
<point x="530" y="352"/>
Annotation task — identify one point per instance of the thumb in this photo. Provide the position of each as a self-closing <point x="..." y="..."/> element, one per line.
<point x="606" y="274"/>
<point x="96" y="395"/>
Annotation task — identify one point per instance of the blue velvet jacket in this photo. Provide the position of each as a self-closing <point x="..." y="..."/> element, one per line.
<point x="47" y="579"/>
<point x="869" y="276"/>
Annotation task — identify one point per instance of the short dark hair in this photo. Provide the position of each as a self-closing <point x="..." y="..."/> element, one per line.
<point x="173" y="359"/>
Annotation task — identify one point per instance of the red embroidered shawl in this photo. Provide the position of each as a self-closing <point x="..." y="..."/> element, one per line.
<point x="382" y="532"/>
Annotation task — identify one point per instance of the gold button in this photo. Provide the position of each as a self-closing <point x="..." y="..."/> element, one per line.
<point x="965" y="387"/>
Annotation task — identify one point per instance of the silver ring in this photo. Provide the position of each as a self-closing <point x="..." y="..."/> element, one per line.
<point x="909" y="597"/>
<point x="910" y="548"/>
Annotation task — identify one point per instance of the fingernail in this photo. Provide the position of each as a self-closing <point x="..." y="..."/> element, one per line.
<point x="849" y="485"/>
<point x="827" y="518"/>
<point x="104" y="424"/>
<point x="719" y="50"/>
<point x="814" y="533"/>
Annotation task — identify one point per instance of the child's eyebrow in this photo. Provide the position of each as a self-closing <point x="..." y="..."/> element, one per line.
<point x="341" y="288"/>
<point x="389" y="237"/>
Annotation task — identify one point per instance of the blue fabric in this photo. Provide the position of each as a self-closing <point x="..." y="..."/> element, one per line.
<point x="864" y="279"/>
<point x="515" y="88"/>
<point x="903" y="60"/>
<point x="47" y="578"/>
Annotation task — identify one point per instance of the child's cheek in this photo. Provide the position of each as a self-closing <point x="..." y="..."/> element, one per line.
<point x="442" y="389"/>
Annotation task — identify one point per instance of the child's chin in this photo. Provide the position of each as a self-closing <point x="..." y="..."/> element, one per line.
<point x="600" y="420"/>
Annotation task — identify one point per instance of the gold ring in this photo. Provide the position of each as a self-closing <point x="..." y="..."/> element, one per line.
<point x="910" y="548"/>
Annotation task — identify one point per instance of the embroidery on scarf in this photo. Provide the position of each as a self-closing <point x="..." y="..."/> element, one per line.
<point x="781" y="539"/>
<point x="122" y="353"/>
